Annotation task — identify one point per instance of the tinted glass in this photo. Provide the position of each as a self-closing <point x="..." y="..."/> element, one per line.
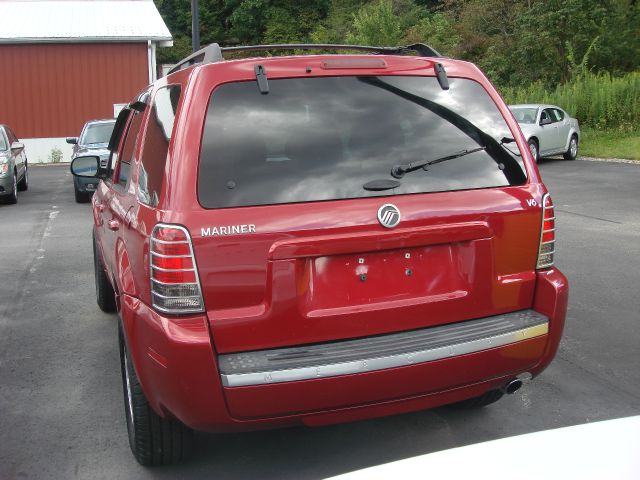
<point x="11" y="136"/>
<point x="96" y="133"/>
<point x="313" y="139"/>
<point x="525" y="115"/>
<point x="548" y="113"/>
<point x="156" y="146"/>
<point x="128" y="150"/>
<point x="558" y="114"/>
<point x="3" y="142"/>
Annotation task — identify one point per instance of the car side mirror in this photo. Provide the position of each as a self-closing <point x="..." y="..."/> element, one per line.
<point x="17" y="147"/>
<point x="85" y="166"/>
<point x="545" y="121"/>
<point x="72" y="140"/>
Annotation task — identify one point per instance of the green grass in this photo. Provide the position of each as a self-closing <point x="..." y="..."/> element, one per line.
<point x="599" y="102"/>
<point x="608" y="144"/>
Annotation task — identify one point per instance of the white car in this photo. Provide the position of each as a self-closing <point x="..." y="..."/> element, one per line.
<point x="600" y="450"/>
<point x="549" y="130"/>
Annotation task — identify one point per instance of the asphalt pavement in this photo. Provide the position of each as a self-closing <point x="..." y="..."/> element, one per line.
<point x="61" y="404"/>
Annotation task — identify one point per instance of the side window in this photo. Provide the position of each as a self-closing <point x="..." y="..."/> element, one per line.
<point x="156" y="144"/>
<point x="128" y="149"/>
<point x="559" y="114"/>
<point x="544" y="115"/>
<point x="4" y="142"/>
<point x="553" y="114"/>
<point x="11" y="135"/>
<point x="119" y="131"/>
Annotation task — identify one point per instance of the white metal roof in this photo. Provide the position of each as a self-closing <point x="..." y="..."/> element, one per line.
<point x="26" y="21"/>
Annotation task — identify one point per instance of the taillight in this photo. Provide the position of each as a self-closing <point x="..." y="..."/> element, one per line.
<point x="547" y="234"/>
<point x="175" y="286"/>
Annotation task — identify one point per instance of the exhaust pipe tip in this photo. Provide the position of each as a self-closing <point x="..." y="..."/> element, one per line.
<point x="513" y="386"/>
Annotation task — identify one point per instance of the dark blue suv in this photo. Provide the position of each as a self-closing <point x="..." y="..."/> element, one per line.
<point x="93" y="140"/>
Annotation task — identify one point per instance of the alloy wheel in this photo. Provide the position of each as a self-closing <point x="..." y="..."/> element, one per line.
<point x="573" y="147"/>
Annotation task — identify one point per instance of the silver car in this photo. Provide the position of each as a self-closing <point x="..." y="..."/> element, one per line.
<point x="549" y="130"/>
<point x="13" y="166"/>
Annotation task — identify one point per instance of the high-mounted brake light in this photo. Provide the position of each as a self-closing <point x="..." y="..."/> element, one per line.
<point x="175" y="286"/>
<point x="547" y="234"/>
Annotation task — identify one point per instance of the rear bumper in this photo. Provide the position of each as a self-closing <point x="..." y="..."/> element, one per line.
<point x="179" y="373"/>
<point x="372" y="354"/>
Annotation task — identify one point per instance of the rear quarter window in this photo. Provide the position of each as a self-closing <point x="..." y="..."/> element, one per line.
<point x="128" y="150"/>
<point x="156" y="146"/>
<point x="313" y="139"/>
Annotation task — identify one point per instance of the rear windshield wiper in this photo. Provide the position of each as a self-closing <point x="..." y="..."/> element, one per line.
<point x="398" y="171"/>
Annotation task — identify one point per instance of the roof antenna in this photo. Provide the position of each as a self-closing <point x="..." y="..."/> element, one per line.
<point x="441" y="73"/>
<point x="261" y="78"/>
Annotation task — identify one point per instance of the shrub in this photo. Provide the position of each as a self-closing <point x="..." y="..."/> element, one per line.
<point x="598" y="101"/>
<point x="56" y="155"/>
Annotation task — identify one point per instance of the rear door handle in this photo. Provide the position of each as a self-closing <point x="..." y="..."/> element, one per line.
<point x="113" y="225"/>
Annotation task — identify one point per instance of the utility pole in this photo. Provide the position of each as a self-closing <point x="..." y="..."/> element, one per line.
<point x="195" y="26"/>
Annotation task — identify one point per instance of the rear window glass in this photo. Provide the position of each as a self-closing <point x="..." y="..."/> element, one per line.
<point x="312" y="139"/>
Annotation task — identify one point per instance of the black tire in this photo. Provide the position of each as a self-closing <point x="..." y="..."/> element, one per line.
<point x="153" y="440"/>
<point x="23" y="184"/>
<point x="534" y="149"/>
<point x="572" y="151"/>
<point x="483" y="400"/>
<point x="81" y="197"/>
<point x="12" y="198"/>
<point x="105" y="296"/>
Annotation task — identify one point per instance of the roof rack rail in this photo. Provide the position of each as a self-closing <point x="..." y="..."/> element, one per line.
<point x="209" y="54"/>
<point x="213" y="53"/>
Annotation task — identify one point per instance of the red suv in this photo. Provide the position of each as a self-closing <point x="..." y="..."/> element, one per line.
<point x="313" y="239"/>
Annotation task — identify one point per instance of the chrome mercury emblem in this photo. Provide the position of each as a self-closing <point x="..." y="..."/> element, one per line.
<point x="388" y="215"/>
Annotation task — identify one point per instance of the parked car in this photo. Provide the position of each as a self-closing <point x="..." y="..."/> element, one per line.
<point x="14" y="175"/>
<point x="549" y="130"/>
<point x="93" y="140"/>
<point x="594" y="450"/>
<point x="278" y="258"/>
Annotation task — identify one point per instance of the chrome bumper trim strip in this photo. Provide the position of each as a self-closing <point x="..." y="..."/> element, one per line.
<point x="485" y="340"/>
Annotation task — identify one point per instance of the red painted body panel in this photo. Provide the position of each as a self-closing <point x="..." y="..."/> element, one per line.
<point x="53" y="89"/>
<point x="297" y="279"/>
<point x="177" y="368"/>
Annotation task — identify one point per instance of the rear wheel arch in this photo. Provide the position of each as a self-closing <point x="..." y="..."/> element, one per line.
<point x="125" y="282"/>
<point x="154" y="439"/>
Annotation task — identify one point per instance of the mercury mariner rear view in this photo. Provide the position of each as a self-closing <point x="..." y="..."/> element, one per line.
<point x="314" y="239"/>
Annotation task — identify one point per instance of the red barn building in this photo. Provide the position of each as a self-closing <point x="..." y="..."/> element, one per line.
<point x="68" y="61"/>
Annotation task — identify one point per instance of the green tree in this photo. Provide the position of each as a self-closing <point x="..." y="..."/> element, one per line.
<point x="554" y="27"/>
<point x="376" y="24"/>
<point x="338" y="22"/>
<point x="436" y="30"/>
